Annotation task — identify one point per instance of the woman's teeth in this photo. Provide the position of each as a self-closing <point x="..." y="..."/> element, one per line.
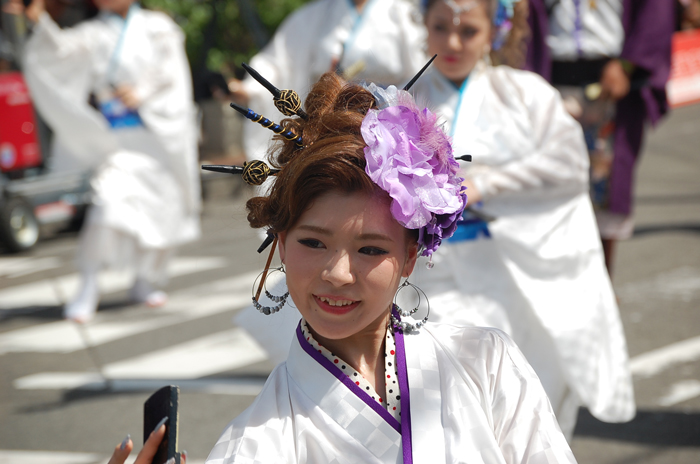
<point x="335" y="302"/>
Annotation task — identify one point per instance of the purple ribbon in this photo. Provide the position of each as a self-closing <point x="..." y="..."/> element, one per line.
<point x="404" y="428"/>
<point x="402" y="372"/>
<point x="345" y="380"/>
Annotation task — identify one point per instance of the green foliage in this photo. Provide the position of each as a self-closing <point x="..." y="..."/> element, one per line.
<point x="219" y="34"/>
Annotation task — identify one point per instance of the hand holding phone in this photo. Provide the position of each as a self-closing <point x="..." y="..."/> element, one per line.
<point x="162" y="408"/>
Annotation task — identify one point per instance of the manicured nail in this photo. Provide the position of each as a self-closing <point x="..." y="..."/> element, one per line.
<point x="183" y="457"/>
<point x="170" y="461"/>
<point x="125" y="442"/>
<point x="162" y="421"/>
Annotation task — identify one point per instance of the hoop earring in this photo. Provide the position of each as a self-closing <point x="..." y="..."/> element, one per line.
<point x="281" y="299"/>
<point x="404" y="325"/>
<point x="487" y="55"/>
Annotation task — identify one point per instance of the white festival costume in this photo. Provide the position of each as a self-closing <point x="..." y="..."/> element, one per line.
<point x="386" y="39"/>
<point x="541" y="276"/>
<point x="146" y="185"/>
<point x="471" y="397"/>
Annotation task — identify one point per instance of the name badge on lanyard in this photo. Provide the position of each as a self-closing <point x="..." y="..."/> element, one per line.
<point x="117" y="114"/>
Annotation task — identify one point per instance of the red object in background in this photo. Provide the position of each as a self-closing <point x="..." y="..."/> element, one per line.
<point x="683" y="86"/>
<point x="19" y="144"/>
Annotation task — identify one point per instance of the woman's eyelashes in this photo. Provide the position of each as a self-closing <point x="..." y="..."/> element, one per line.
<point x="311" y="243"/>
<point x="372" y="251"/>
<point x="366" y="250"/>
<point x="468" y="32"/>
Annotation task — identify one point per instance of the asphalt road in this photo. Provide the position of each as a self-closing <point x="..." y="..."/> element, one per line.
<point x="55" y="406"/>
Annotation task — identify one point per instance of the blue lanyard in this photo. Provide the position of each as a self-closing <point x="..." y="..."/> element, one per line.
<point x="462" y="89"/>
<point x="356" y="25"/>
<point x="114" y="59"/>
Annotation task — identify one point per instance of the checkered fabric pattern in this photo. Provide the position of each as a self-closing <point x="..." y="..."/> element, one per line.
<point x="473" y="399"/>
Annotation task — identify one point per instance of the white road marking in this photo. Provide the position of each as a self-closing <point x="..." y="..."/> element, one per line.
<point x="197" y="358"/>
<point x="16" y="267"/>
<point x="94" y="381"/>
<point x="62" y="457"/>
<point x="682" y="283"/>
<point x="190" y="304"/>
<point x="655" y="361"/>
<point x="204" y="356"/>
<point x="680" y="392"/>
<point x="46" y="457"/>
<point x="53" y="292"/>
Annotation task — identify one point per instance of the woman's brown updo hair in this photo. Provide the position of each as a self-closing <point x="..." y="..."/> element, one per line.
<point x="332" y="157"/>
<point x="513" y="51"/>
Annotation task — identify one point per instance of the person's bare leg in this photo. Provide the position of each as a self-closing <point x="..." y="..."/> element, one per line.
<point x="608" y="252"/>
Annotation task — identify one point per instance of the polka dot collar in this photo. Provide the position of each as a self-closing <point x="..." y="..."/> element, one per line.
<point x="392" y="402"/>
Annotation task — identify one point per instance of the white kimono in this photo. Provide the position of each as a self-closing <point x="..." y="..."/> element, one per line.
<point x="386" y="40"/>
<point x="146" y="185"/>
<point x="467" y="395"/>
<point x="540" y="277"/>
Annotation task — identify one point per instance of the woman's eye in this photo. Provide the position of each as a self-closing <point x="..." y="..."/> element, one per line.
<point x="372" y="251"/>
<point x="468" y="32"/>
<point x="439" y="28"/>
<point x="311" y="243"/>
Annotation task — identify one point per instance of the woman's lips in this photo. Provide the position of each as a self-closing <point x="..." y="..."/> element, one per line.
<point x="450" y="59"/>
<point x="335" y="304"/>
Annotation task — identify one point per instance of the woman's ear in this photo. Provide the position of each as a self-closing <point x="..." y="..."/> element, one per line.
<point x="411" y="258"/>
<point x="281" y="240"/>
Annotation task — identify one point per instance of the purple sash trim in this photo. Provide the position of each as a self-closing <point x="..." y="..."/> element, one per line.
<point x="402" y="372"/>
<point x="345" y="380"/>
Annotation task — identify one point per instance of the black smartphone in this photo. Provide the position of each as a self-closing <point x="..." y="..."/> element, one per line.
<point x="163" y="403"/>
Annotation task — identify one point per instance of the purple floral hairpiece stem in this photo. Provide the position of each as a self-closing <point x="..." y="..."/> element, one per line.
<point x="410" y="157"/>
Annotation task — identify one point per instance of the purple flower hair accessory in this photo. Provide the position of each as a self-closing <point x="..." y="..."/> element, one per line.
<point x="409" y="156"/>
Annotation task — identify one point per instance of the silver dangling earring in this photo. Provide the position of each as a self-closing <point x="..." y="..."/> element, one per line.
<point x="404" y="325"/>
<point x="487" y="55"/>
<point x="282" y="299"/>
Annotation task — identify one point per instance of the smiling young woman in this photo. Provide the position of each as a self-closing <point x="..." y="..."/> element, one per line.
<point x="373" y="186"/>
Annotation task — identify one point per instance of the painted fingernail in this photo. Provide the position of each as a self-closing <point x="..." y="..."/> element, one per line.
<point x="183" y="457"/>
<point x="160" y="424"/>
<point x="125" y="442"/>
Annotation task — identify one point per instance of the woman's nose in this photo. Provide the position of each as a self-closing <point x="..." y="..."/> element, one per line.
<point x="339" y="271"/>
<point x="454" y="43"/>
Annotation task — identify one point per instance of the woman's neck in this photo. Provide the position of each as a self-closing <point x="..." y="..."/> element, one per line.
<point x="364" y="351"/>
<point x="123" y="12"/>
<point x="360" y="5"/>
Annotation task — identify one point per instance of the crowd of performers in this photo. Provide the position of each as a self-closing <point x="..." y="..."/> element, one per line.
<point x="524" y="326"/>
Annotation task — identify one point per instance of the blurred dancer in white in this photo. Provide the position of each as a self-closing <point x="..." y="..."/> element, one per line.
<point x="381" y="41"/>
<point x="370" y="40"/>
<point x="142" y="140"/>
<point x="537" y="272"/>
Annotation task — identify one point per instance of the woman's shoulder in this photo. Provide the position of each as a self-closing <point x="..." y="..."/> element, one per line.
<point x="159" y="21"/>
<point x="249" y="435"/>
<point x="459" y="334"/>
<point x="524" y="83"/>
<point x="480" y="346"/>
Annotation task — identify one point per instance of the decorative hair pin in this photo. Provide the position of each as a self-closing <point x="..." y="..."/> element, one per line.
<point x="287" y="102"/>
<point x="256" y="172"/>
<point x="263" y="121"/>
<point x="253" y="172"/>
<point x="419" y="74"/>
